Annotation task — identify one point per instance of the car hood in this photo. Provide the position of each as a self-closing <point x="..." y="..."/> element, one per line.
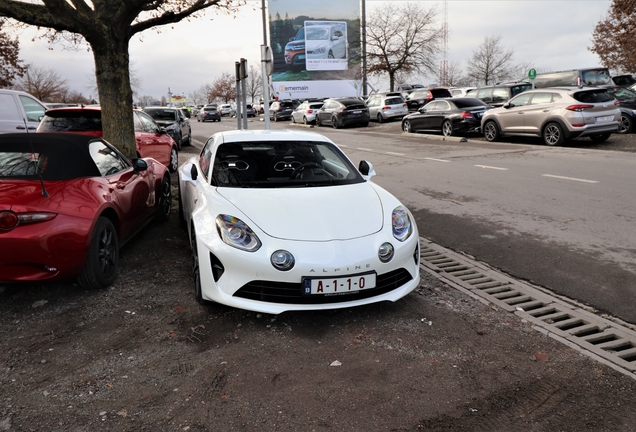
<point x="311" y="213"/>
<point x="295" y="44"/>
<point x="165" y="123"/>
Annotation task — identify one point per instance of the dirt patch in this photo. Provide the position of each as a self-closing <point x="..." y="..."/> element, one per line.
<point x="144" y="356"/>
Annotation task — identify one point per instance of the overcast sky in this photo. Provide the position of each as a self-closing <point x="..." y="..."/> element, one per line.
<point x="548" y="34"/>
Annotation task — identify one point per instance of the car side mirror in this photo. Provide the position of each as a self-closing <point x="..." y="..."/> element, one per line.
<point x="366" y="169"/>
<point x="194" y="173"/>
<point x="162" y="130"/>
<point x="506" y="105"/>
<point x="139" y="165"/>
<point x="422" y="110"/>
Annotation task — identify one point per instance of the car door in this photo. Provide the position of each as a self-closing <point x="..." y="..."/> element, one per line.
<point x="11" y="119"/>
<point x="132" y="193"/>
<point x="538" y="110"/>
<point x="424" y="120"/>
<point x="437" y="116"/>
<point x="511" y="118"/>
<point x="193" y="188"/>
<point x="339" y="43"/>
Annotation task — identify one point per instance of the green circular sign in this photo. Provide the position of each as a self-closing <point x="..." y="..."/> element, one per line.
<point x="532" y="73"/>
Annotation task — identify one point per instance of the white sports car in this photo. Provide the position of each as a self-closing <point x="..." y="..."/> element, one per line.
<point x="282" y="220"/>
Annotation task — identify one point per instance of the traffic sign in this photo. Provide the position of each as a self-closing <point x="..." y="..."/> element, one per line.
<point x="532" y="73"/>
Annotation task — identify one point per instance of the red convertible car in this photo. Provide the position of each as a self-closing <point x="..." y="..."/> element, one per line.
<point x="68" y="202"/>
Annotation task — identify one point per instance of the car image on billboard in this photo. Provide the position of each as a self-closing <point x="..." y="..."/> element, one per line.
<point x="326" y="45"/>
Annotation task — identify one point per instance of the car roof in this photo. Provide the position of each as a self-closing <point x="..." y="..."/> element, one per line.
<point x="267" y="135"/>
<point x="59" y="148"/>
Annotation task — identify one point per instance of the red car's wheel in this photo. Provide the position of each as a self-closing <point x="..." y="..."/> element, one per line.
<point x="100" y="269"/>
<point x="165" y="200"/>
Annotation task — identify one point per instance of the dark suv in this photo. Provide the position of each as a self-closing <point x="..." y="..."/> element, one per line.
<point x="420" y="97"/>
<point x="174" y="121"/>
<point x="280" y="110"/>
<point x="499" y="94"/>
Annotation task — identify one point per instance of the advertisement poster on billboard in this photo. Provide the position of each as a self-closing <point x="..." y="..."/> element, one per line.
<point x="316" y="48"/>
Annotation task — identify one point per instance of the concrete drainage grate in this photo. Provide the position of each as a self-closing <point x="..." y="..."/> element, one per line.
<point x="563" y="320"/>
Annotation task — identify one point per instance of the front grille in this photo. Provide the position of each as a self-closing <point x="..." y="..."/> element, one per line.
<point x="291" y="293"/>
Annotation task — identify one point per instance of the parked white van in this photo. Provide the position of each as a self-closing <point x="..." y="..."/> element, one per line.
<point x="19" y="111"/>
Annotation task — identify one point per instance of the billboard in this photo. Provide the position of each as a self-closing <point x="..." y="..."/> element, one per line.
<point x="316" y="48"/>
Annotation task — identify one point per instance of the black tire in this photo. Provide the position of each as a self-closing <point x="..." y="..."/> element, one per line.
<point x="188" y="141"/>
<point x="196" y="275"/>
<point x="334" y="122"/>
<point x="553" y="134"/>
<point x="165" y="200"/>
<point x="177" y="140"/>
<point x="626" y="125"/>
<point x="447" y="128"/>
<point x="380" y="118"/>
<point x="318" y="122"/>
<point x="293" y="119"/>
<point x="305" y="120"/>
<point x="599" y="138"/>
<point x="173" y="165"/>
<point x="182" y="220"/>
<point x="100" y="268"/>
<point x="491" y="131"/>
<point x="198" y="120"/>
<point x="406" y="126"/>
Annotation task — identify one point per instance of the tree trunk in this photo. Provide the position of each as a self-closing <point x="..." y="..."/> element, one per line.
<point x="115" y="94"/>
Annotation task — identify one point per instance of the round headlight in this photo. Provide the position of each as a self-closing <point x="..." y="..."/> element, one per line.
<point x="385" y="253"/>
<point x="283" y="260"/>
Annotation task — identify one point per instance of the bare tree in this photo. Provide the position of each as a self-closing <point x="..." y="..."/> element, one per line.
<point x="224" y="88"/>
<point x="44" y="84"/>
<point x="613" y="37"/>
<point x="107" y="27"/>
<point x="402" y="39"/>
<point x="254" y="82"/>
<point x="11" y="67"/>
<point x="491" y="62"/>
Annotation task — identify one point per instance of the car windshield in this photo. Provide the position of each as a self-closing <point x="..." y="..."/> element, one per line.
<point x="162" y="114"/>
<point x="317" y="33"/>
<point x="593" y="96"/>
<point x="71" y="121"/>
<point x="282" y="164"/>
<point x="624" y="94"/>
<point x="394" y="101"/>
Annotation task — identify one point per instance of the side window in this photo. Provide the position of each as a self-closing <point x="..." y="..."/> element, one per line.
<point x="205" y="157"/>
<point x="149" y="123"/>
<point x="433" y="106"/>
<point x="108" y="161"/>
<point x="485" y="94"/>
<point x="8" y="108"/>
<point x="541" y="98"/>
<point x="139" y="126"/>
<point x="500" y="94"/>
<point x="520" y="100"/>
<point x="34" y="111"/>
<point x="443" y="106"/>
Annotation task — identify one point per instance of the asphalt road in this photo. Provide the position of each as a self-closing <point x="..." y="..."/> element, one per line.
<point x="560" y="218"/>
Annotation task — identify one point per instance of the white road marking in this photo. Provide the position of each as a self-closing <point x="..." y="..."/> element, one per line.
<point x="569" y="178"/>
<point x="491" y="167"/>
<point x="437" y="160"/>
<point x="365" y="149"/>
<point x="395" y="154"/>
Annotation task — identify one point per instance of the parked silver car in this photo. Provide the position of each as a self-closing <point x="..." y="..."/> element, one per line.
<point x="306" y="112"/>
<point x="387" y="106"/>
<point x="556" y="115"/>
<point x="19" y="111"/>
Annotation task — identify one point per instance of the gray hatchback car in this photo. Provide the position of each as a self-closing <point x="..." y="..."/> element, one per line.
<point x="555" y="114"/>
<point x="387" y="106"/>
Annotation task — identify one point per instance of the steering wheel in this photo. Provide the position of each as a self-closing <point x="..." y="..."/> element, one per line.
<point x="296" y="173"/>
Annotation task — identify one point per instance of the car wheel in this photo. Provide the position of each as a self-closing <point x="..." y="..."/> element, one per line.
<point x="196" y="274"/>
<point x="447" y="128"/>
<point x="100" y="268"/>
<point x="174" y="160"/>
<point x="318" y="122"/>
<point x="406" y="126"/>
<point x="188" y="141"/>
<point x="491" y="131"/>
<point x="305" y="120"/>
<point x="293" y="119"/>
<point x="553" y="135"/>
<point x="599" y="138"/>
<point x="334" y="122"/>
<point x="165" y="200"/>
<point x="626" y="124"/>
<point x="380" y="118"/>
<point x="198" y="120"/>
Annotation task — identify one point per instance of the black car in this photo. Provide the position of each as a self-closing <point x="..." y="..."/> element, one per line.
<point x="281" y="110"/>
<point x="449" y="116"/>
<point x="208" y="113"/>
<point x="420" y="97"/>
<point x="343" y="112"/>
<point x="174" y="121"/>
<point x="627" y="98"/>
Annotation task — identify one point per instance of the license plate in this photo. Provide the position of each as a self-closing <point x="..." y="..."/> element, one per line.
<point x="356" y="112"/>
<point x="604" y="119"/>
<point x="338" y="285"/>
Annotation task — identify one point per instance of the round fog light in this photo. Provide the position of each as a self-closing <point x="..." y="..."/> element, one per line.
<point x="385" y="253"/>
<point x="283" y="260"/>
